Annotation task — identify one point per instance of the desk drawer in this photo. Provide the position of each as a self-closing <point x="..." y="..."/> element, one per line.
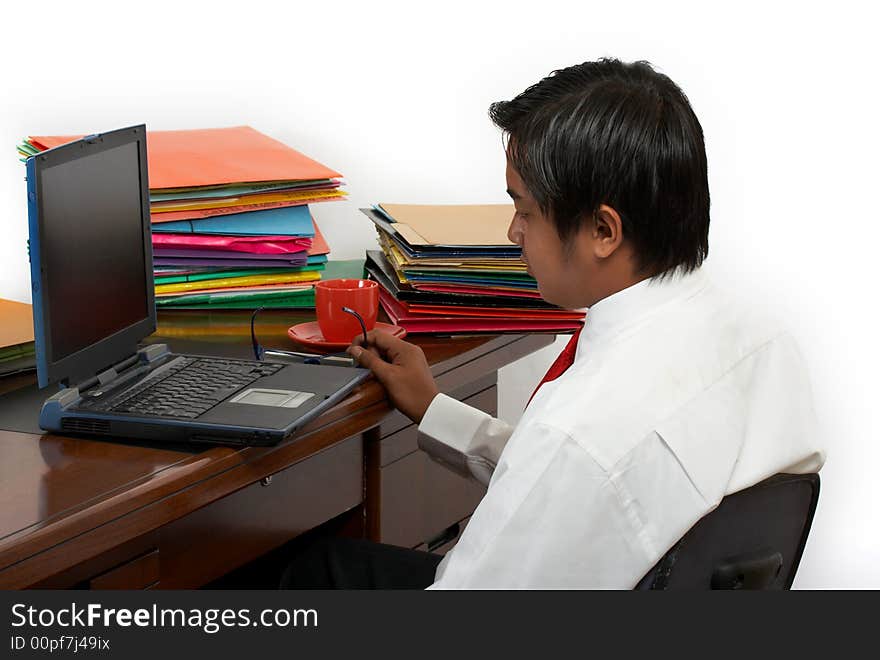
<point x="421" y="499"/>
<point x="222" y="536"/>
<point x="139" y="573"/>
<point x="215" y="539"/>
<point x="445" y="542"/>
<point x="411" y="499"/>
<point x="396" y="420"/>
<point x="403" y="442"/>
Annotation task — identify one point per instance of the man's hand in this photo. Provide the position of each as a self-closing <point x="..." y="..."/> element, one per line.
<point x="401" y="367"/>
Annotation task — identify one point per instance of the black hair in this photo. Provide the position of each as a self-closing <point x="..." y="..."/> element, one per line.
<point x="621" y="134"/>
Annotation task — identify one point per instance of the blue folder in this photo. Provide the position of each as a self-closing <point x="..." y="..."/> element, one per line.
<point x="284" y="221"/>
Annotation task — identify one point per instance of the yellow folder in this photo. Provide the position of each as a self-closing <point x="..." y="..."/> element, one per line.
<point x="248" y="280"/>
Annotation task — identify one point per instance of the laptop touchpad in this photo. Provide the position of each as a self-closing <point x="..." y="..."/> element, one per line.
<point x="274" y="398"/>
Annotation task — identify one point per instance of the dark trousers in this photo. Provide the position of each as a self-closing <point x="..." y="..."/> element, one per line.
<point x="344" y="563"/>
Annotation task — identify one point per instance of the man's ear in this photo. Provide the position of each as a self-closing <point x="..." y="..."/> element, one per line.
<point x="607" y="231"/>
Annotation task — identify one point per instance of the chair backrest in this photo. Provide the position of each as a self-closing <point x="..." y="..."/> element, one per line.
<point x="753" y="540"/>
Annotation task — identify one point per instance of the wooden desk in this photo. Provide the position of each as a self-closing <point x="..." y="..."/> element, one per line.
<point x="89" y="513"/>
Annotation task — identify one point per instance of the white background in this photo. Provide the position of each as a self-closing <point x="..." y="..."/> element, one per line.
<point x="394" y="95"/>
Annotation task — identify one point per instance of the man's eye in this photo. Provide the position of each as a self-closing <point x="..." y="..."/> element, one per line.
<point x="522" y="215"/>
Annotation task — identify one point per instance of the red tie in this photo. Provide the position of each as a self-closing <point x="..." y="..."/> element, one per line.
<point x="563" y="362"/>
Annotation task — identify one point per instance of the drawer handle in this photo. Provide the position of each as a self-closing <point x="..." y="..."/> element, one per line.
<point x="266" y="481"/>
<point x="444" y="537"/>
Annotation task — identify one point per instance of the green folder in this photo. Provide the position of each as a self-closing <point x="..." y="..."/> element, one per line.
<point x="304" y="299"/>
<point x="244" y="272"/>
<point x="17" y="351"/>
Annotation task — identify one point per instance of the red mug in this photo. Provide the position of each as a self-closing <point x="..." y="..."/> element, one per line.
<point x="332" y="295"/>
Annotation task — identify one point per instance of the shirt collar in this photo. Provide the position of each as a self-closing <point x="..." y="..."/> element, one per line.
<point x="628" y="306"/>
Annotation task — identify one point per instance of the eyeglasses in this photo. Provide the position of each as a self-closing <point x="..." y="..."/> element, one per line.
<point x="308" y="358"/>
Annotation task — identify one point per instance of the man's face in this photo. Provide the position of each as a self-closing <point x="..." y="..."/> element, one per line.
<point x="561" y="274"/>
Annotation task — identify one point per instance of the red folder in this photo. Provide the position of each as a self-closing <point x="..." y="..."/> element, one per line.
<point x="457" y="324"/>
<point x="429" y="311"/>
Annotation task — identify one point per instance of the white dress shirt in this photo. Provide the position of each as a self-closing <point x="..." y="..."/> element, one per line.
<point x="677" y="397"/>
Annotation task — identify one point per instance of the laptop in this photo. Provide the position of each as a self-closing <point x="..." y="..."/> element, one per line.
<point x="93" y="303"/>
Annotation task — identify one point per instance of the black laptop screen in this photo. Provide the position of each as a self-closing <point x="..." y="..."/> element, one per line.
<point x="92" y="246"/>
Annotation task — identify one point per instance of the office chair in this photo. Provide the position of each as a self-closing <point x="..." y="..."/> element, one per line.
<point x="753" y="540"/>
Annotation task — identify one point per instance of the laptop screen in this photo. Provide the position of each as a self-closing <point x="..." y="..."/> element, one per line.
<point x="92" y="242"/>
<point x="91" y="258"/>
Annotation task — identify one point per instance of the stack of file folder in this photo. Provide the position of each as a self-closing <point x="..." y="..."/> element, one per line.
<point x="452" y="270"/>
<point x="230" y="217"/>
<point x="16" y="338"/>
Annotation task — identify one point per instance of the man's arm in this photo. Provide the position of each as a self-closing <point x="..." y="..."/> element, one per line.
<point x="556" y="517"/>
<point x="461" y="437"/>
<point x="464" y="439"/>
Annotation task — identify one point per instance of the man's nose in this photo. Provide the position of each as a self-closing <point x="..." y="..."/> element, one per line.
<point x="514" y="232"/>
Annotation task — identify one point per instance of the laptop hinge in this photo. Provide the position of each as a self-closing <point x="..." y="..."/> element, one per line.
<point x="144" y="356"/>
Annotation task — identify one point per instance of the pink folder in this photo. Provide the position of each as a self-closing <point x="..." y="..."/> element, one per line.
<point x="252" y="244"/>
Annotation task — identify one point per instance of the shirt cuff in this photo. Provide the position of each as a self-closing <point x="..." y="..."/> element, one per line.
<point x="447" y="433"/>
<point x="452" y="422"/>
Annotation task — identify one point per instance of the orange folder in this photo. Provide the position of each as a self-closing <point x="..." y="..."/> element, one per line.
<point x="16" y="323"/>
<point x="198" y="214"/>
<point x="319" y="243"/>
<point x="211" y="156"/>
<point x="294" y="197"/>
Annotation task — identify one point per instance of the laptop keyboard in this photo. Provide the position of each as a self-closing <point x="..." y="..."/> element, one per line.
<point x="187" y="388"/>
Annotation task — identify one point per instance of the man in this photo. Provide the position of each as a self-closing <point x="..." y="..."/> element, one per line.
<point x="670" y="397"/>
